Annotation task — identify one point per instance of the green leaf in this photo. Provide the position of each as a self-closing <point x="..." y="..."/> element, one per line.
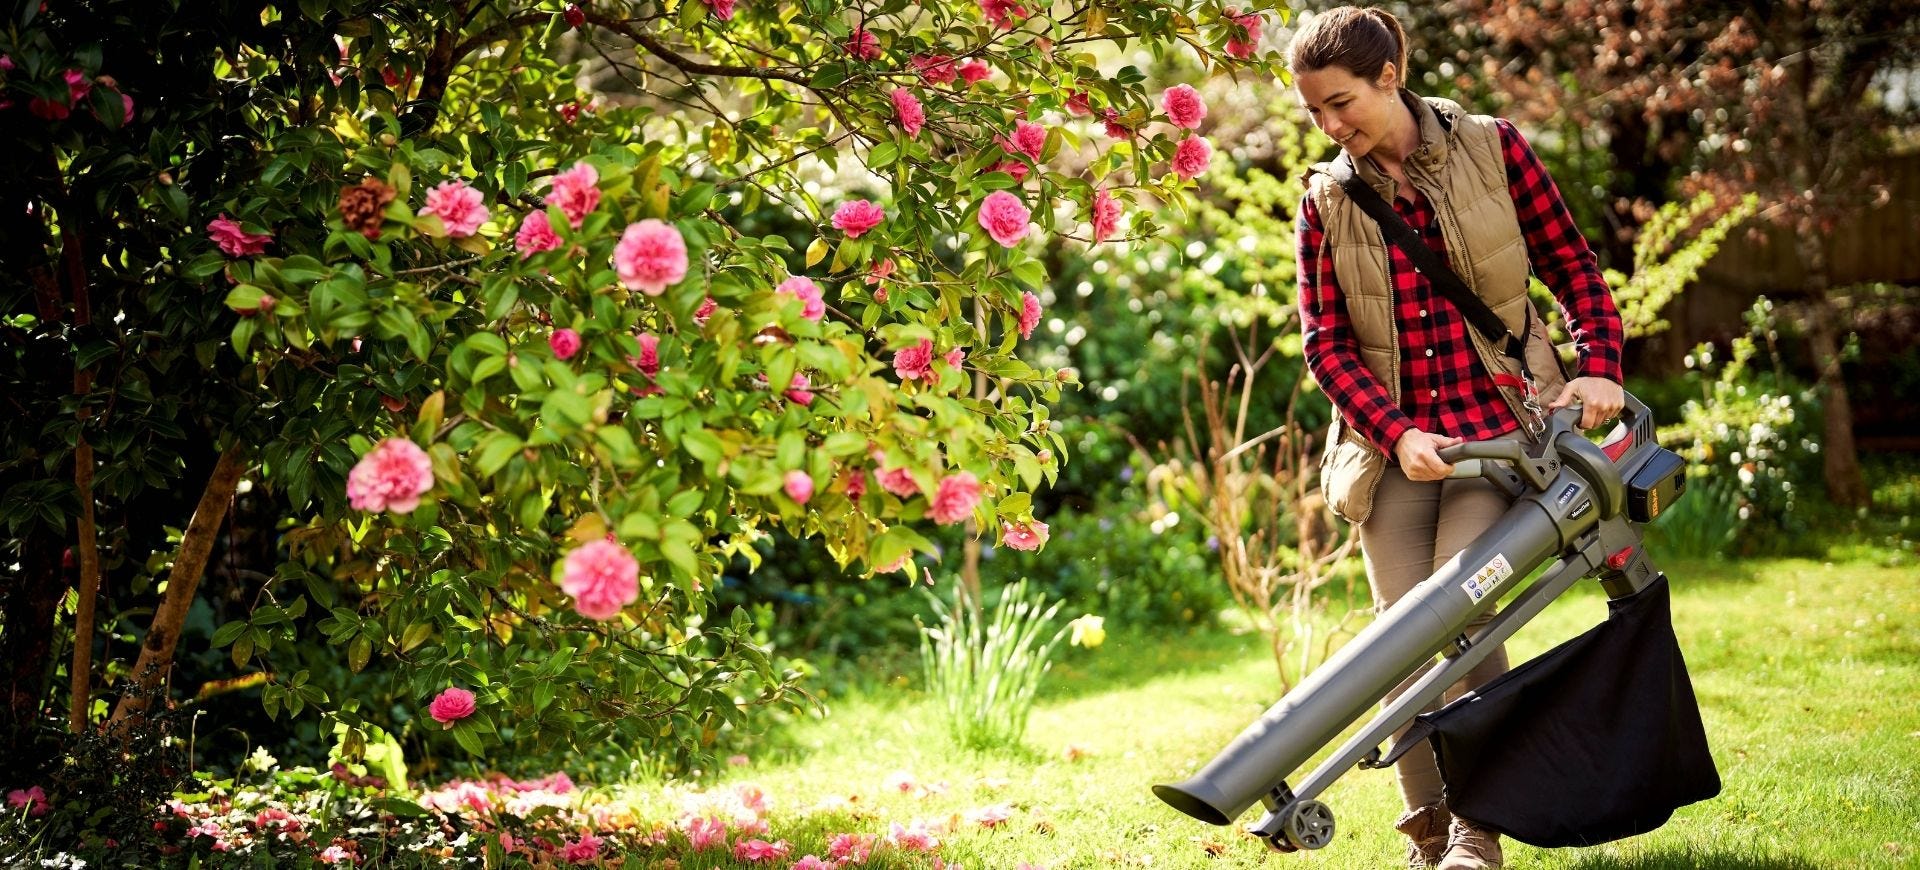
<point x="704" y="446"/>
<point x="229" y="633"/>
<point x="359" y="652"/>
<point x="495" y="450"/>
<point x="469" y="739"/>
<point x="403" y="807"/>
<point x="681" y="555"/>
<point x="829" y="75"/>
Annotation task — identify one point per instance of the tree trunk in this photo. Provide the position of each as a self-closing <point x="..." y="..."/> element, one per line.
<point x="86" y="546"/>
<point x="1845" y="486"/>
<point x="27" y="606"/>
<point x="156" y="652"/>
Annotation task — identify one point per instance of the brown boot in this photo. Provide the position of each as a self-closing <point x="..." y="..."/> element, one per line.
<point x="1471" y="847"/>
<point x="1426" y="830"/>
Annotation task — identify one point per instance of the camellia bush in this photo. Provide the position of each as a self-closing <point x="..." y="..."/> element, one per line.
<point x="527" y="363"/>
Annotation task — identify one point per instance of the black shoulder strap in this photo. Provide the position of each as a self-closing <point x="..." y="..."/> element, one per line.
<point x="1449" y="284"/>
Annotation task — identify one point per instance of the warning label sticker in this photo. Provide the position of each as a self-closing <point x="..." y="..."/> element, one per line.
<point x="1488" y="578"/>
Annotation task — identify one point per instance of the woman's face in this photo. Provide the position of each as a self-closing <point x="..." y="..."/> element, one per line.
<point x="1352" y="111"/>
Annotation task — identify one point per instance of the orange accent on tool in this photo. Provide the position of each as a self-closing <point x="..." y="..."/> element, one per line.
<point x="1511" y="382"/>
<point x="1619" y="448"/>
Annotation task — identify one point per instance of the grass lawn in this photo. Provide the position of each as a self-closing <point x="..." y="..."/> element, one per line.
<point x="1808" y="675"/>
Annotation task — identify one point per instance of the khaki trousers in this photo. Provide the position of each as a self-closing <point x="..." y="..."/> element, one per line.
<point x="1415" y="528"/>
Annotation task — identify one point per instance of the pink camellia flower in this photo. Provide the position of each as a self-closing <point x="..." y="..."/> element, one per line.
<point x="576" y="192"/>
<point x="811" y="862"/>
<point x="536" y="234"/>
<point x="706" y="833"/>
<point x="651" y="256"/>
<point x="78" y="86"/>
<point x="914" y="363"/>
<point x="956" y="356"/>
<point x="235" y="241"/>
<point x="648" y="362"/>
<point x="758" y="851"/>
<point x="585" y="850"/>
<point x="975" y="71"/>
<point x="914" y="837"/>
<point x="797" y="389"/>
<point x="991" y="816"/>
<point x="706" y="310"/>
<point x="569" y="111"/>
<point x="850" y="848"/>
<point x="602" y="577"/>
<point x="1080" y="104"/>
<point x="565" y="343"/>
<point x="391" y="477"/>
<point x="959" y="493"/>
<point x="1028" y="139"/>
<point x="814" y="304"/>
<point x="451" y="706"/>
<point x="738" y="761"/>
<point x="1004" y="217"/>
<point x="336" y="855"/>
<point x="1184" y="106"/>
<point x="857" y="216"/>
<point x="1190" y="156"/>
<point x="1024" y="536"/>
<point x="881" y="271"/>
<point x="1243" y="48"/>
<point x="126" y="103"/>
<point x="799" y="486"/>
<point x="33" y="800"/>
<point x="863" y="44"/>
<point x="936" y="69"/>
<point x="898" y="481"/>
<point x="722" y="9"/>
<point x="1003" y="13"/>
<point x="1106" y="216"/>
<point x="907" y="108"/>
<point x="458" y="206"/>
<point x="1011" y="167"/>
<point x="1029" y="313"/>
<point x="51" y="110"/>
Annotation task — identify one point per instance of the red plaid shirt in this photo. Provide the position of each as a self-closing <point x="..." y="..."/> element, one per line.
<point x="1444" y="387"/>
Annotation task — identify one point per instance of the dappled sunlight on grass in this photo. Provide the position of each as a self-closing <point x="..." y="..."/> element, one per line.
<point x="1804" y="672"/>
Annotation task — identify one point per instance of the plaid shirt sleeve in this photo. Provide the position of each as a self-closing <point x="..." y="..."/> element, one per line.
<point x="1562" y="259"/>
<point x="1333" y="355"/>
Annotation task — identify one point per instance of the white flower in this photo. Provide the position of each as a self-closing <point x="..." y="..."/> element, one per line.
<point x="261" y="760"/>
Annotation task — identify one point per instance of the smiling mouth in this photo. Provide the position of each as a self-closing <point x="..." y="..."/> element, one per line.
<point x="1350" y="137"/>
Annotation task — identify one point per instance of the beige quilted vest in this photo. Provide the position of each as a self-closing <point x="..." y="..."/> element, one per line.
<point x="1460" y="169"/>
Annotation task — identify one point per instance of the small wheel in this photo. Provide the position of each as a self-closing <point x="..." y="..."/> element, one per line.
<point x="1309" y="825"/>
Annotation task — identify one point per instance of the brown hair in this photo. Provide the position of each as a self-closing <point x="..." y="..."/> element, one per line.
<point x="1358" y="40"/>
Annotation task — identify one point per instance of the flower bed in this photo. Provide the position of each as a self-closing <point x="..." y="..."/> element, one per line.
<point x="302" y="817"/>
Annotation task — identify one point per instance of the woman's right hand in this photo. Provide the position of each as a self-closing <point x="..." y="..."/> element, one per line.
<point x="1419" y="456"/>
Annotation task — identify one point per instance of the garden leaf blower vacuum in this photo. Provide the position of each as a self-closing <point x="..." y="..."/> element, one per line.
<point x="1597" y="739"/>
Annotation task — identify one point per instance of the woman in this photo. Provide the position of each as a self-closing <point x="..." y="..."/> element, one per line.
<point x="1406" y="371"/>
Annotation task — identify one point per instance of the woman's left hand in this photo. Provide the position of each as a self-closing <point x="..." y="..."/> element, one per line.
<point x="1600" y="400"/>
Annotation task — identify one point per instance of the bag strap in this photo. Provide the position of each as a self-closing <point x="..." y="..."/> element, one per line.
<point x="1424" y="259"/>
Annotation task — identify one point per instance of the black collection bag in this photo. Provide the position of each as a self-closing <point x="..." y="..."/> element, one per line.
<point x="1595" y="740"/>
